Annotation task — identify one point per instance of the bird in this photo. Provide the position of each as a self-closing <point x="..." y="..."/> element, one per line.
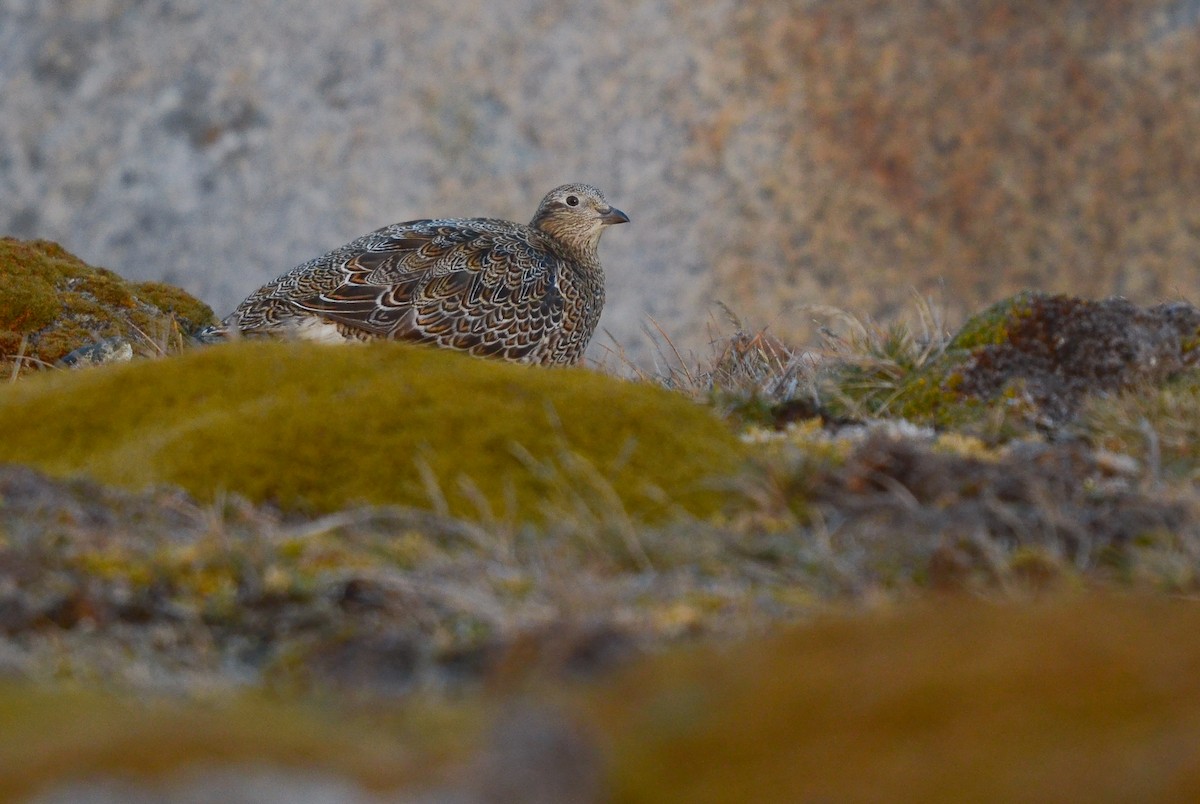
<point x="492" y="288"/>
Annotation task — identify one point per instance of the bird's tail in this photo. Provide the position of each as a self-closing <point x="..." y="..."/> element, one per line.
<point x="218" y="333"/>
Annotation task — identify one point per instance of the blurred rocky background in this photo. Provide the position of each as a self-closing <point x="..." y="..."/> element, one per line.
<point x="781" y="157"/>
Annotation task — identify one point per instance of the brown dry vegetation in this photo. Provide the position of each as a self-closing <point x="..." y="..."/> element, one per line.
<point x="1088" y="699"/>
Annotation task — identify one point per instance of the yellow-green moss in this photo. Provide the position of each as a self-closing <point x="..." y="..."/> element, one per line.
<point x="187" y="309"/>
<point x="990" y="328"/>
<point x="51" y="302"/>
<point x="931" y="396"/>
<point x="321" y="427"/>
<point x="29" y="273"/>
<point x="105" y="287"/>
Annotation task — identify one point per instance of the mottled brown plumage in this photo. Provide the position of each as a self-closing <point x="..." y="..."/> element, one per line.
<point x="494" y="288"/>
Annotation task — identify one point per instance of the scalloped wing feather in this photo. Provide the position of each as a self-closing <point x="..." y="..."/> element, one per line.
<point x="486" y="289"/>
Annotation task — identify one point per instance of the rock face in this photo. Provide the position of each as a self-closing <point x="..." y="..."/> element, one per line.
<point x="771" y="154"/>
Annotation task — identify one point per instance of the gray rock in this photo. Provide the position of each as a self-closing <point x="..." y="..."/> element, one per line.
<point x="116" y="349"/>
<point x="214" y="148"/>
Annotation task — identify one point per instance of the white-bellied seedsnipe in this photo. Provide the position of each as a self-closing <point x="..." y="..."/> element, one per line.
<point x="527" y="293"/>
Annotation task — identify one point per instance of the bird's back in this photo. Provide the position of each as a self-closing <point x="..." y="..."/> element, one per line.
<point x="488" y="287"/>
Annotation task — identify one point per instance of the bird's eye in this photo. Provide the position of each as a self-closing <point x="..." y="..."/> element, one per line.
<point x="572" y="201"/>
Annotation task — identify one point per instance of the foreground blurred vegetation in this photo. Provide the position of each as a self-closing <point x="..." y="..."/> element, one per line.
<point x="950" y="561"/>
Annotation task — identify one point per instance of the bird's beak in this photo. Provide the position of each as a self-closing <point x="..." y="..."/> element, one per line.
<point x="613" y="215"/>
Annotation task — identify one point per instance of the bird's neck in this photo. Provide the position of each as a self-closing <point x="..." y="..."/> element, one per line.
<point x="583" y="246"/>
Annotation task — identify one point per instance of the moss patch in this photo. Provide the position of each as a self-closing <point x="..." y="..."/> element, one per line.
<point x="319" y="428"/>
<point x="991" y="327"/>
<point x="51" y="303"/>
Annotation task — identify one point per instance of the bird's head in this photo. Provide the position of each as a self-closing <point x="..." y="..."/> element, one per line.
<point x="576" y="214"/>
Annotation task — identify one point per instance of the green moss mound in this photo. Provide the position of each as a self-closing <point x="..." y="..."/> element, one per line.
<point x="51" y="303"/>
<point x="316" y="428"/>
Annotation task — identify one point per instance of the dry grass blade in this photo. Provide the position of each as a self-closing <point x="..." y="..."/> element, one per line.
<point x="159" y="345"/>
<point x="582" y="503"/>
<point x="433" y="488"/>
<point x="16" y="369"/>
<point x="678" y="361"/>
<point x="621" y="354"/>
<point x="22" y="358"/>
<point x="394" y="516"/>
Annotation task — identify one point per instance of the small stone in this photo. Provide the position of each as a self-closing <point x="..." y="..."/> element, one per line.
<point x="110" y="350"/>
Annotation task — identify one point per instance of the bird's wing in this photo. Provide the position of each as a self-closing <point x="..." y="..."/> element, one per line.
<point x="482" y="288"/>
